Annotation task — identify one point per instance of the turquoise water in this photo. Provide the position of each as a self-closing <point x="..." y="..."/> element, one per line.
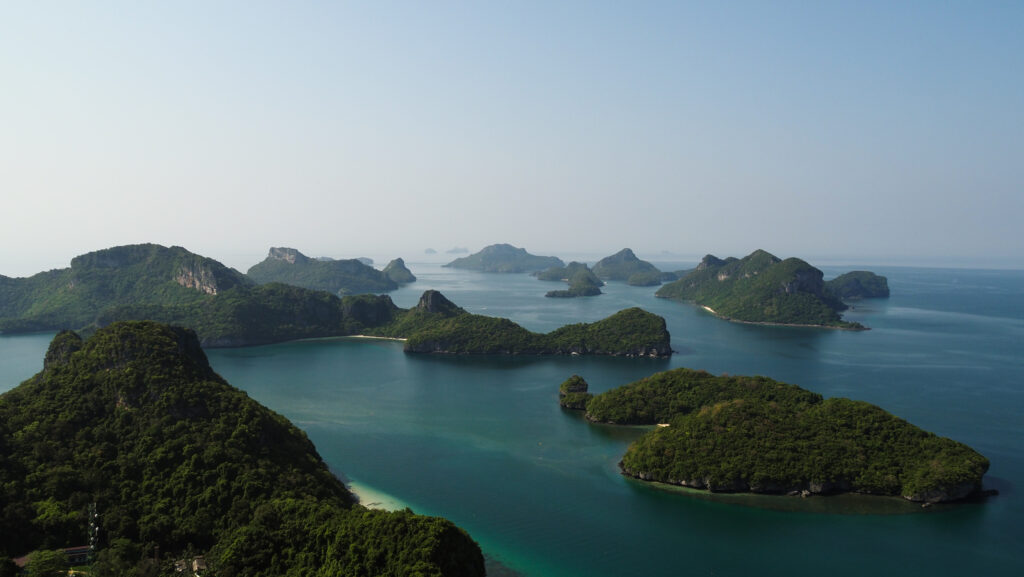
<point x="483" y="442"/>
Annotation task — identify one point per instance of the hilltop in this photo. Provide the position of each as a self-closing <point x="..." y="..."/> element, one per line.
<point x="345" y="276"/>
<point x="625" y="266"/>
<point x="760" y="288"/>
<point x="505" y="258"/>
<point x="135" y="420"/>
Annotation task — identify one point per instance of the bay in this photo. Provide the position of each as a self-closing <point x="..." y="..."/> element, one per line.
<point x="482" y="441"/>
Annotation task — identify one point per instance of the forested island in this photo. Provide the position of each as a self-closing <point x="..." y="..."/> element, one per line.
<point x="625" y="266"/>
<point x="505" y="258"/>
<point x="761" y="288"/>
<point x="226" y="309"/>
<point x="343" y="277"/>
<point x="859" y="284"/>
<point x="754" y="434"/>
<point x="436" y="325"/>
<point x="134" y="422"/>
<point x="582" y="281"/>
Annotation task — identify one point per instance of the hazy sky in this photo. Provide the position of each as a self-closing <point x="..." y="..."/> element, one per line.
<point x="888" y="131"/>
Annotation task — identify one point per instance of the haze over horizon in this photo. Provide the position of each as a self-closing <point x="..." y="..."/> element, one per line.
<point x="866" y="132"/>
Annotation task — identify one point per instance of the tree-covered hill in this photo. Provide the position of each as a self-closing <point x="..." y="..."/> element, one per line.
<point x="343" y="277"/>
<point x="135" y="420"/>
<point x="625" y="266"/>
<point x="859" y="284"/>
<point x="760" y="288"/>
<point x="759" y="435"/>
<point x="436" y="325"/>
<point x="505" y="258"/>
<point x="582" y="281"/>
<point x="144" y="274"/>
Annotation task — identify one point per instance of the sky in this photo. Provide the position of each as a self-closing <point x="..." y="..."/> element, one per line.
<point x="874" y="132"/>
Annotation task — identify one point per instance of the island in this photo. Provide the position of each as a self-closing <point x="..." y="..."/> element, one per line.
<point x="761" y="288"/>
<point x="345" y="276"/>
<point x="625" y="266"/>
<point x="754" y="434"/>
<point x="398" y="272"/>
<point x="859" y="284"/>
<point x="505" y="258"/>
<point x="132" y="432"/>
<point x="436" y="325"/>
<point x="227" y="309"/>
<point x="582" y="281"/>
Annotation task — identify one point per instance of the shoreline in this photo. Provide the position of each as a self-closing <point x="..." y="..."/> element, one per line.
<point x="771" y="324"/>
<point x="374" y="337"/>
<point x="373" y="499"/>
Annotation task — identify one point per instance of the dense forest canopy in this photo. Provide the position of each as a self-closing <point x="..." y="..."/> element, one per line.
<point x="135" y="420"/>
<point x="760" y="288"/>
<point x="732" y="433"/>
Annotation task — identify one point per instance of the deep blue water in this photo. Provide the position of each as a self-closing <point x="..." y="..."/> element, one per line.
<point x="482" y="441"/>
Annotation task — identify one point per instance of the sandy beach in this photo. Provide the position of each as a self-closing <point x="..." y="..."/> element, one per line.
<point x="374" y="499"/>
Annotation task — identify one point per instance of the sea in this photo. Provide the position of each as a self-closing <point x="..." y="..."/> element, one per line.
<point x="482" y="441"/>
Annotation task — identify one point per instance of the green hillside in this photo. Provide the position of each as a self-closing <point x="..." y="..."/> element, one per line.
<point x="343" y="277"/>
<point x="135" y="420"/>
<point x="625" y="266"/>
<point x="505" y="258"/>
<point x="759" y="435"/>
<point x="760" y="288"/>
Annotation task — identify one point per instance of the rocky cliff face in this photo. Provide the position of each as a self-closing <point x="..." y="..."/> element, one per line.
<point x="289" y="255"/>
<point x="198" y="277"/>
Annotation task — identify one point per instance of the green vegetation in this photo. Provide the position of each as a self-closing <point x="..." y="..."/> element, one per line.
<point x="227" y="310"/>
<point x="859" y="284"/>
<point x="652" y="278"/>
<point x="436" y="325"/>
<point x="624" y="266"/>
<point x="343" y="277"/>
<point x="145" y="274"/>
<point x="572" y="394"/>
<point x="756" y="434"/>
<point x="760" y="288"/>
<point x="582" y="281"/>
<point x="135" y="420"/>
<point x="397" y="271"/>
<point x="505" y="258"/>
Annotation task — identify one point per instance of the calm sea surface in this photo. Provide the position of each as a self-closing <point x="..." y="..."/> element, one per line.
<point x="483" y="442"/>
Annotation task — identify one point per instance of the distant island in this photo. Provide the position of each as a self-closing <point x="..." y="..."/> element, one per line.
<point x="582" y="281"/>
<point x="761" y="288"/>
<point x="227" y="309"/>
<point x="436" y="325"/>
<point x="859" y="284"/>
<point x="505" y="258"/>
<point x="398" y="272"/>
<point x="346" y="276"/>
<point x="753" y="434"/>
<point x="133" y="430"/>
<point x="625" y="266"/>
